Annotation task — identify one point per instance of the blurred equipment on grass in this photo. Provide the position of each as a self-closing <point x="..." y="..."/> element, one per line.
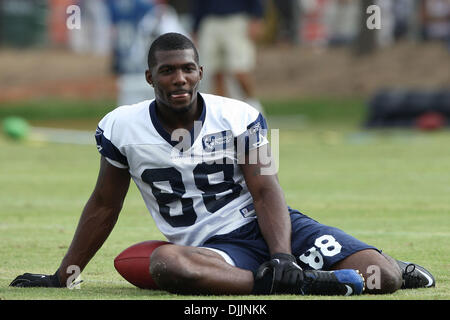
<point x="430" y="121"/>
<point x="16" y="128"/>
<point x="19" y="129"/>
<point x="423" y="109"/>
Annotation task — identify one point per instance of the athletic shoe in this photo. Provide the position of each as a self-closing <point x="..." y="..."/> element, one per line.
<point x="345" y="282"/>
<point x="415" y="276"/>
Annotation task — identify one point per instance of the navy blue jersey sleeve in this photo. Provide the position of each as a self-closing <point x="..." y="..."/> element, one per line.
<point x="108" y="149"/>
<point x="254" y="137"/>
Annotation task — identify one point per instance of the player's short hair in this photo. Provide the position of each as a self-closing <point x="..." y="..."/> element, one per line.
<point x="170" y="41"/>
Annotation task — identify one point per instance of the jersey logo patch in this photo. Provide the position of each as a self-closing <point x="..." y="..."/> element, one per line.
<point x="220" y="140"/>
<point x="248" y="211"/>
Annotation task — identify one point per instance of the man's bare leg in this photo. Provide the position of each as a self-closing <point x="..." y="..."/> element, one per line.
<point x="192" y="270"/>
<point x="381" y="273"/>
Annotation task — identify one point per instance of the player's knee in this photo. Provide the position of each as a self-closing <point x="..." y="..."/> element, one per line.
<point x="169" y="269"/>
<point x="392" y="281"/>
<point x="386" y="280"/>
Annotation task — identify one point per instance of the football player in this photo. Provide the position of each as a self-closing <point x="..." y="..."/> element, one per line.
<point x="199" y="162"/>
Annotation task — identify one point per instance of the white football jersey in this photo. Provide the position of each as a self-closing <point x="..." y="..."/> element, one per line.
<point x="194" y="189"/>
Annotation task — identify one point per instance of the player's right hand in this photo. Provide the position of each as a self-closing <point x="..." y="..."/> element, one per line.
<point x="286" y="273"/>
<point x="36" y="280"/>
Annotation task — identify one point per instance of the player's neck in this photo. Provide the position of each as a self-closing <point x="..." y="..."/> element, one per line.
<point x="172" y="119"/>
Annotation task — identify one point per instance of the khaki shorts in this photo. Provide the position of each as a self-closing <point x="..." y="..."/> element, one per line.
<point x="224" y="44"/>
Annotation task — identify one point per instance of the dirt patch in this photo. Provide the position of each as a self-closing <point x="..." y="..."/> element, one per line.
<point x="281" y="72"/>
<point x="33" y="74"/>
<point x="338" y="72"/>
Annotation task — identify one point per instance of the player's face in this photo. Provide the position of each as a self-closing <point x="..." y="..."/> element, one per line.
<point x="175" y="79"/>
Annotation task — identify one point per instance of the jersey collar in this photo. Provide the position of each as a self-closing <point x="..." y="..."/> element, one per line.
<point x="163" y="133"/>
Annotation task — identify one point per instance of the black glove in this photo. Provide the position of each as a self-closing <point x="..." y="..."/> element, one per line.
<point x="36" y="280"/>
<point x="286" y="273"/>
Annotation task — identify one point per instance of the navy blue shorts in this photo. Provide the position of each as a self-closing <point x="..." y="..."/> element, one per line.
<point x="316" y="246"/>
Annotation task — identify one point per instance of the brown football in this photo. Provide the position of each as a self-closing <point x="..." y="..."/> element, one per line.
<point x="133" y="263"/>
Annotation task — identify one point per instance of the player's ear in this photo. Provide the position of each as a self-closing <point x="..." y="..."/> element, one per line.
<point x="200" y="72"/>
<point x="148" y="77"/>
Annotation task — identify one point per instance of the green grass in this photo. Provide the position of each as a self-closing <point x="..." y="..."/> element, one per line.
<point x="388" y="188"/>
<point x="53" y="109"/>
<point x="316" y="109"/>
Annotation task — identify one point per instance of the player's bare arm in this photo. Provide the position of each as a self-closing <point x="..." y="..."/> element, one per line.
<point x="96" y="223"/>
<point x="281" y="273"/>
<point x="98" y="217"/>
<point x="269" y="202"/>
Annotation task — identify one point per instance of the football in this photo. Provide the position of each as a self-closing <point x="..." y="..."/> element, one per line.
<point x="133" y="263"/>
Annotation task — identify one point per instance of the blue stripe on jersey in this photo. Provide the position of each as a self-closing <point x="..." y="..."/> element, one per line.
<point x="107" y="149"/>
<point x="261" y="120"/>
<point x="254" y="134"/>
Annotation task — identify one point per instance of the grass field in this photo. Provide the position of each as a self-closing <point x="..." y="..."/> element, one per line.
<point x="388" y="188"/>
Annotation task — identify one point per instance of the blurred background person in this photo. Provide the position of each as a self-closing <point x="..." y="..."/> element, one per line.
<point x="125" y="16"/>
<point x="289" y="21"/>
<point x="313" y="24"/>
<point x="135" y="24"/>
<point x="341" y="19"/>
<point x="184" y="12"/>
<point x="226" y="33"/>
<point x="94" y="35"/>
<point x="405" y="19"/>
<point x="435" y="15"/>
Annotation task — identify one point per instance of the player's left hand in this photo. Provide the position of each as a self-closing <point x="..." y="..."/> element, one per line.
<point x="36" y="280"/>
<point x="286" y="273"/>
